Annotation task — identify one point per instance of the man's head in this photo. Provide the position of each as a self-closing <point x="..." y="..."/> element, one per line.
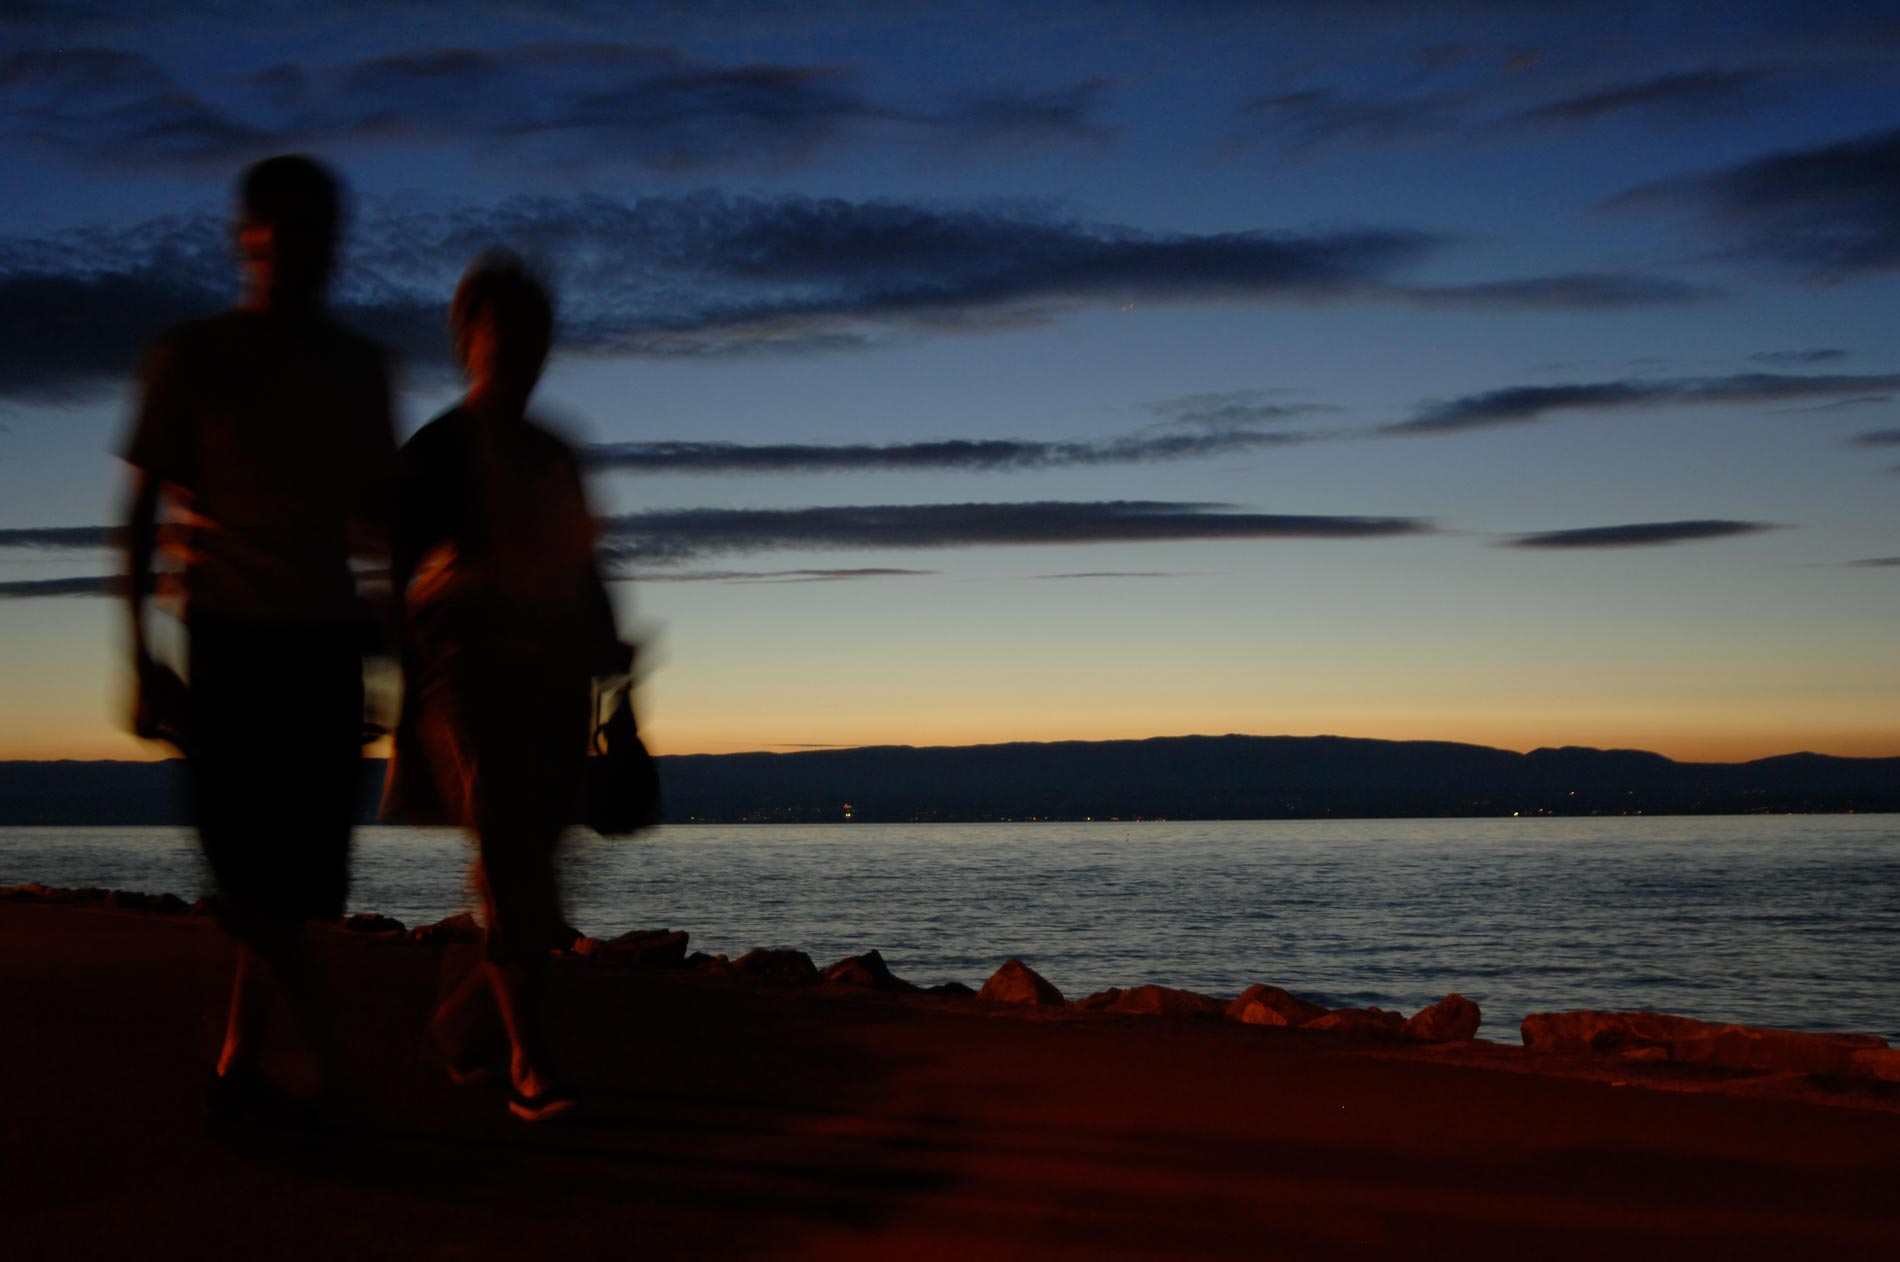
<point x="502" y="320"/>
<point x="289" y="217"/>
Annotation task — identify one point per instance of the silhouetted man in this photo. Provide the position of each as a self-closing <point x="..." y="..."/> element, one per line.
<point x="266" y="431"/>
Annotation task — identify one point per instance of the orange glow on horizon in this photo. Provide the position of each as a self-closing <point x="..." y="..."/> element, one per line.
<point x="1682" y="742"/>
<point x="1682" y="745"/>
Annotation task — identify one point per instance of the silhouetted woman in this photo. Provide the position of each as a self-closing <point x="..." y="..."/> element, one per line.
<point x="505" y="623"/>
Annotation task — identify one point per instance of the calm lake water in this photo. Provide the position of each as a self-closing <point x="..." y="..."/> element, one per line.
<point x="1788" y="920"/>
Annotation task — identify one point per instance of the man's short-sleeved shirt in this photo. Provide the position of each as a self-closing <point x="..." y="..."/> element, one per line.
<point x="274" y="441"/>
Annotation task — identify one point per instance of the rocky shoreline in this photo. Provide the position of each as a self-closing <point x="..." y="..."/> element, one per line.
<point x="1636" y="1037"/>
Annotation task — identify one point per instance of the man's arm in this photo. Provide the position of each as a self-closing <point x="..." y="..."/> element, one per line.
<point x="141" y="544"/>
<point x="161" y="452"/>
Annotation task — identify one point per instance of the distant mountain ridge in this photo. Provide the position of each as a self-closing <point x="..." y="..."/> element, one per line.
<point x="1164" y="777"/>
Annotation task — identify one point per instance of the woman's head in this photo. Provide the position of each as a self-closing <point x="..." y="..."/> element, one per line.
<point x="502" y="320"/>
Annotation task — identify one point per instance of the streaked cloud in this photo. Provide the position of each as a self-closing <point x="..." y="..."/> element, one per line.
<point x="982" y="455"/>
<point x="763" y="576"/>
<point x="1517" y="405"/>
<point x="1841" y="405"/>
<point x="1831" y="212"/>
<point x="714" y="275"/>
<point x="1479" y="106"/>
<point x="49" y="588"/>
<point x="1640" y="534"/>
<point x="1571" y="291"/>
<point x="1318" y="118"/>
<point x="62" y="537"/>
<point x="1876" y="563"/>
<point x="114" y="585"/>
<point x="79" y="70"/>
<point x="1799" y="358"/>
<point x="1878" y="438"/>
<point x="690" y="276"/>
<point x="1683" y="96"/>
<point x="574" y="101"/>
<point x="670" y="536"/>
<point x="1232" y="409"/>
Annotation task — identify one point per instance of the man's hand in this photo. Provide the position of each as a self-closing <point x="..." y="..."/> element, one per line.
<point x="158" y="702"/>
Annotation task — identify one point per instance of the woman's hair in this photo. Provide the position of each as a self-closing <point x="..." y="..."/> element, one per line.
<point x="500" y="286"/>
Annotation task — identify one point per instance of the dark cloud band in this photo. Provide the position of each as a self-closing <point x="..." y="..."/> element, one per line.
<point x="708" y="275"/>
<point x="1570" y="291"/>
<point x="1640" y="534"/>
<point x="1800" y="358"/>
<point x="764" y="576"/>
<point x="671" y="276"/>
<point x="985" y="455"/>
<point x="1521" y="404"/>
<point x="1831" y="212"/>
<point x="61" y="537"/>
<point x="1230" y="410"/>
<point x="596" y="102"/>
<point x="1325" y="118"/>
<point x="1691" y="94"/>
<point x="669" y="537"/>
<point x="672" y="536"/>
<point x="43" y="588"/>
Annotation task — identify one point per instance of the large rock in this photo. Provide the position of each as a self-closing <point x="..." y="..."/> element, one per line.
<point x="951" y="990"/>
<point x="1603" y="1033"/>
<point x="1452" y="1019"/>
<point x="1269" y="1005"/>
<point x="778" y="965"/>
<point x="1876" y="1062"/>
<point x="35" y="892"/>
<point x="1016" y="982"/>
<point x="1153" y="1001"/>
<point x="1659" y="1036"/>
<point x="664" y="948"/>
<point x="1786" y="1051"/>
<point x="1359" y="1021"/>
<point x="461" y="927"/>
<point x="371" y="922"/>
<point x="867" y="970"/>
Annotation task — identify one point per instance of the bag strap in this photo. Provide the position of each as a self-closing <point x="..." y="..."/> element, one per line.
<point x="613" y="694"/>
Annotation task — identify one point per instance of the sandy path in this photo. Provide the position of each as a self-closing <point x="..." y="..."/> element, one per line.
<point x="735" y="1122"/>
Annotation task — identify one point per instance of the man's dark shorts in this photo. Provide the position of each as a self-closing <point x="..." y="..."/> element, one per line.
<point x="276" y="770"/>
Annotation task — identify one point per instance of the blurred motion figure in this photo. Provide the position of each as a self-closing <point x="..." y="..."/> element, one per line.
<point x="265" y="430"/>
<point x="506" y="623"/>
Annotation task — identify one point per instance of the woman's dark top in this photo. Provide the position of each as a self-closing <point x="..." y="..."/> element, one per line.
<point x="492" y="547"/>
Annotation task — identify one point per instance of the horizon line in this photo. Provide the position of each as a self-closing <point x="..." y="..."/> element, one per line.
<point x="789" y="749"/>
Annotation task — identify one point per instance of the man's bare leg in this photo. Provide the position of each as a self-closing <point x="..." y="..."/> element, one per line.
<point x="257" y="989"/>
<point x="521" y="998"/>
<point x="248" y="1020"/>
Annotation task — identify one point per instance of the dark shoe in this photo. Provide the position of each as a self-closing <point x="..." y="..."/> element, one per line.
<point x="248" y="1097"/>
<point x="552" y="1105"/>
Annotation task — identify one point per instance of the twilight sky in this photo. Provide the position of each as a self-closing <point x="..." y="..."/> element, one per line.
<point x="1076" y="369"/>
